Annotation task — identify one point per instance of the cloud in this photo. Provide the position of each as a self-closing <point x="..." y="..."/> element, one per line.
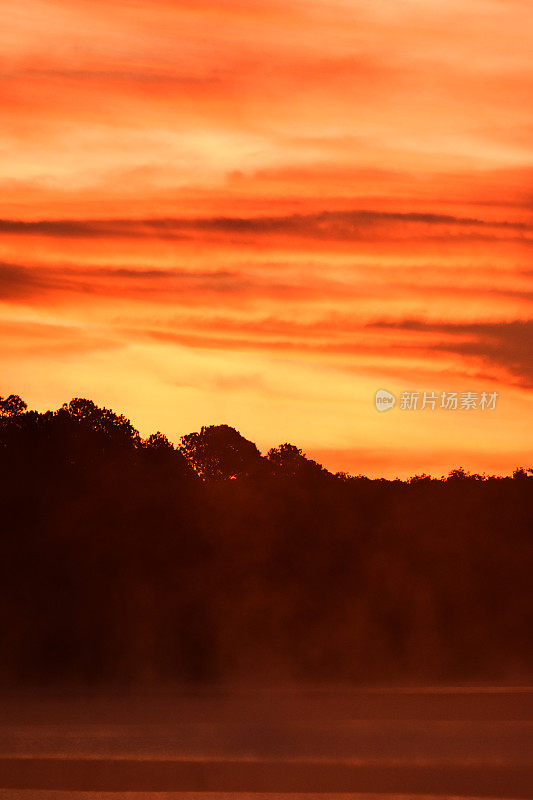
<point x="505" y="345"/>
<point x="275" y="282"/>
<point x="502" y="350"/>
<point x="248" y="310"/>
<point x="151" y="77"/>
<point x="35" y="284"/>
<point x="87" y="229"/>
<point x="18" y="282"/>
<point x="328" y="225"/>
<point x="28" y="339"/>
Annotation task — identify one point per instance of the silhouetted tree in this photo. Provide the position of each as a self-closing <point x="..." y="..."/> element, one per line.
<point x="458" y="474"/>
<point x="422" y="478"/>
<point x="12" y="405"/>
<point x="289" y="460"/>
<point x="158" y="442"/>
<point x="167" y="462"/>
<point x="521" y="472"/>
<point x="116" y="428"/>
<point x="219" y="452"/>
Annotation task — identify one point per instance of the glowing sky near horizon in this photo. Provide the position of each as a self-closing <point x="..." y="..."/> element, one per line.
<point x="259" y="213"/>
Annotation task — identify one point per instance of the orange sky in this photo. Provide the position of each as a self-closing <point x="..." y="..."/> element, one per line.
<point x="259" y="213"/>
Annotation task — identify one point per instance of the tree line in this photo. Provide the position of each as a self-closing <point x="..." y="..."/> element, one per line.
<point x="132" y="561"/>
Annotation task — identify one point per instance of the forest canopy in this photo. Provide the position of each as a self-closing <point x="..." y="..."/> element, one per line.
<point x="133" y="561"/>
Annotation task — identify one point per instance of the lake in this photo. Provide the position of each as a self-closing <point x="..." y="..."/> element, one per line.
<point x="255" y="743"/>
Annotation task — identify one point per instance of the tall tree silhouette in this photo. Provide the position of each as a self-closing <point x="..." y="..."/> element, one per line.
<point x="111" y="426"/>
<point x="12" y="405"/>
<point x="289" y="460"/>
<point x="219" y="452"/>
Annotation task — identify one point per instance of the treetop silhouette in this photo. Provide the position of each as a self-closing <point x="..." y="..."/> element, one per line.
<point x="128" y="560"/>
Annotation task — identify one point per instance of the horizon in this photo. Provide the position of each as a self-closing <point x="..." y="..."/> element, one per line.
<point x="176" y="442"/>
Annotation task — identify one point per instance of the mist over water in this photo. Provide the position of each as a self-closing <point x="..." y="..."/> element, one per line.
<point x="438" y="741"/>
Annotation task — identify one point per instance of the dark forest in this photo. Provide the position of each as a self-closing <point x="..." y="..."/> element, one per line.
<point x="131" y="562"/>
